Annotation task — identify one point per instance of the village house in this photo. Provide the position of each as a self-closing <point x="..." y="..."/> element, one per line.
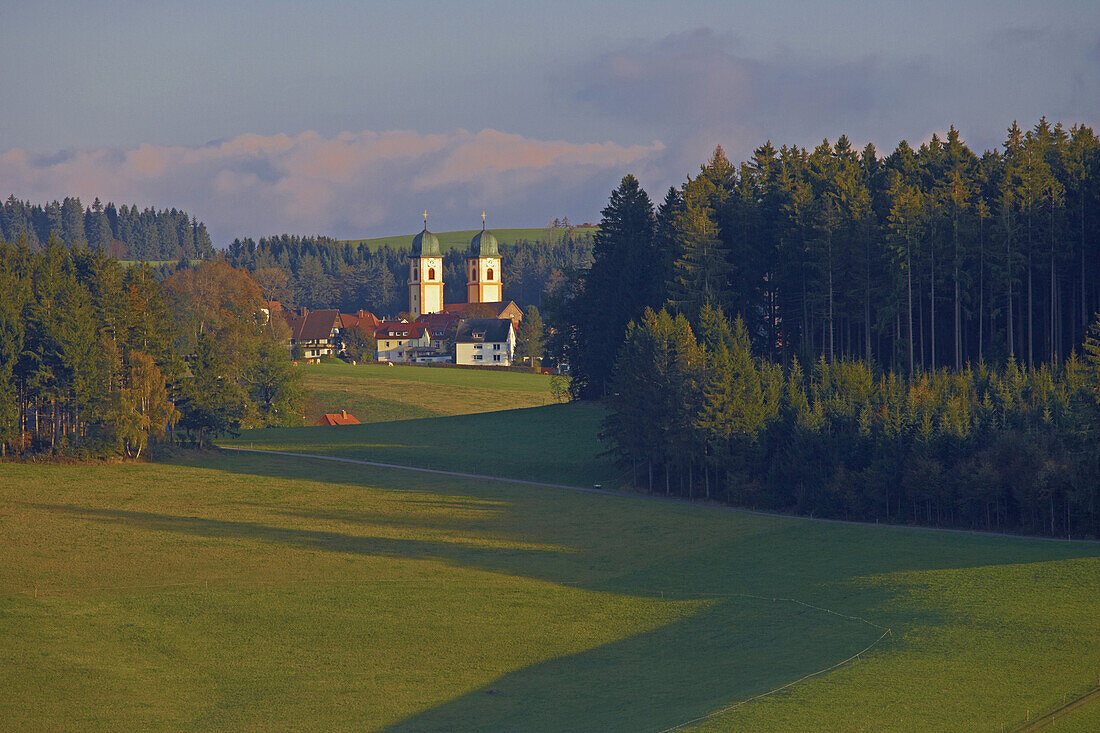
<point x="314" y="334"/>
<point x="398" y="340"/>
<point x="317" y="334"/>
<point x="485" y="342"/>
<point x="441" y="326"/>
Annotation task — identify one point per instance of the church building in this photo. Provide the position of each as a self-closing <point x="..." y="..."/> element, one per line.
<point x="484" y="282"/>
<point x="425" y="274"/>
<point x="483" y="266"/>
<point x="442" y="321"/>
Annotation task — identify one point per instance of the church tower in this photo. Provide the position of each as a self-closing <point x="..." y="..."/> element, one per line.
<point x="425" y="274"/>
<point x="483" y="269"/>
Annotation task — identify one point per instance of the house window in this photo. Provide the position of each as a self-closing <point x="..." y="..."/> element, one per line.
<point x="489" y="274"/>
<point x="414" y="273"/>
<point x="496" y="357"/>
<point x="477" y="357"/>
<point x="477" y="346"/>
<point x="496" y="347"/>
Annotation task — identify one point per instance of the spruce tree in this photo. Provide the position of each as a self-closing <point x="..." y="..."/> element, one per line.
<point x="701" y="267"/>
<point x="617" y="288"/>
<point x="72" y="223"/>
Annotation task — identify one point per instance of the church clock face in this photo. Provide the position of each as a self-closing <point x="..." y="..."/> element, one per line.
<point x="432" y="263"/>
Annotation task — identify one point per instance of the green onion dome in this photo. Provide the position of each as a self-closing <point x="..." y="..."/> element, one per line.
<point x="426" y="244"/>
<point x="484" y="244"/>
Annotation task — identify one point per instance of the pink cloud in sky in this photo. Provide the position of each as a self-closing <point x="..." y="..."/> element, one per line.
<point x="349" y="184"/>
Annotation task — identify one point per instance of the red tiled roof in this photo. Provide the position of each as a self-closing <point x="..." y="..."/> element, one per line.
<point x="499" y="308"/>
<point x="392" y="329"/>
<point x="434" y="319"/>
<point x="363" y="319"/>
<point x="316" y="325"/>
<point x="337" y="418"/>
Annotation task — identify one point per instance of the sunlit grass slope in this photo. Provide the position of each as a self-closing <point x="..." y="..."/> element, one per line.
<point x="261" y="592"/>
<point x="379" y="393"/>
<point x="461" y="239"/>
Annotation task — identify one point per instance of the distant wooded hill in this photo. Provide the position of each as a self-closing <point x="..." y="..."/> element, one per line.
<point x="319" y="272"/>
<point x="461" y="239"/>
<point x="124" y="232"/>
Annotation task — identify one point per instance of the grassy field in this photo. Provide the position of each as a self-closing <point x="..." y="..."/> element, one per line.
<point x="261" y="591"/>
<point x="253" y="591"/>
<point x="379" y="393"/>
<point x="552" y="444"/>
<point x="461" y="239"/>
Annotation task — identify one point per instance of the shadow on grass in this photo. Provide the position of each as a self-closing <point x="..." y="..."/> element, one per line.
<point x="681" y="549"/>
<point x="648" y="681"/>
<point x="477" y="552"/>
<point x="554" y="443"/>
<point x="728" y="651"/>
<point x="660" y="678"/>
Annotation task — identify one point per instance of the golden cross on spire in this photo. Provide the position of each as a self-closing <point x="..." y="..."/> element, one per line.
<point x="483" y="221"/>
<point x="425" y="219"/>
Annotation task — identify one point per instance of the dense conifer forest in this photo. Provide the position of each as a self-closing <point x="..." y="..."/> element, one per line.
<point x="123" y="232"/>
<point x="98" y="359"/>
<point x="909" y="340"/>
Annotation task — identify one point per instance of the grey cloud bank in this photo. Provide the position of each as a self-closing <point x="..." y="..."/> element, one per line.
<point x="698" y="89"/>
<point x="350" y="184"/>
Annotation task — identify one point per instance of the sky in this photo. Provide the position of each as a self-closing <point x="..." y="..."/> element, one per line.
<point x="350" y="118"/>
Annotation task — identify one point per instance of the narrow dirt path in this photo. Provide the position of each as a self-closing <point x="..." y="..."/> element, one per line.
<point x="649" y="497"/>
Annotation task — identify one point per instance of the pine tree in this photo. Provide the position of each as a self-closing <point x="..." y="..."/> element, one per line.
<point x="617" y="288"/>
<point x="701" y="268"/>
<point x="72" y="223"/>
<point x="97" y="228"/>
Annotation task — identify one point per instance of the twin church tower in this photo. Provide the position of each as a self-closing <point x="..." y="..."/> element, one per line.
<point x="483" y="284"/>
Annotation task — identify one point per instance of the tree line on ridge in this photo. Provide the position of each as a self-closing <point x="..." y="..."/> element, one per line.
<point x="123" y="232"/>
<point x="925" y="258"/>
<point x="320" y="272"/>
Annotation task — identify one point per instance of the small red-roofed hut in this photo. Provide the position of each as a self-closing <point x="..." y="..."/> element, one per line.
<point x="337" y="418"/>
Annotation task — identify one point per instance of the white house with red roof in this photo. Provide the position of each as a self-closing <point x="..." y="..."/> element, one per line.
<point x="398" y="340"/>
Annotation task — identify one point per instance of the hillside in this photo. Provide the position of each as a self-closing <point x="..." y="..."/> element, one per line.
<point x="379" y="393"/>
<point x="461" y="239"/>
<point x="242" y="590"/>
<point x="245" y="590"/>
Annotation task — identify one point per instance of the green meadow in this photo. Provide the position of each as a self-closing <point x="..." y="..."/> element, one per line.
<point x="551" y="444"/>
<point x="380" y="393"/>
<point x="461" y="239"/>
<point x="257" y="591"/>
